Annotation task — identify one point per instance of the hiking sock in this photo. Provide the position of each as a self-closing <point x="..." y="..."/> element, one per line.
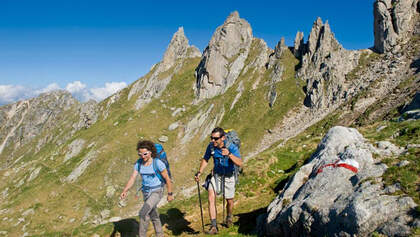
<point x="213" y="223"/>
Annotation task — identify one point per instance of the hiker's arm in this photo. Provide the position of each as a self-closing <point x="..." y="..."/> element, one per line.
<point x="203" y="165"/>
<point x="236" y="160"/>
<point x="165" y="175"/>
<point x="129" y="184"/>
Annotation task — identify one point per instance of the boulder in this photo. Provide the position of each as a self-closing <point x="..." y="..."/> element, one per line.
<point x="334" y="195"/>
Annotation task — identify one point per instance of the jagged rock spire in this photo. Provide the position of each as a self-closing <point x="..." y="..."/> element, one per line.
<point x="177" y="48"/>
<point x="224" y="57"/>
<point x="299" y="45"/>
<point x="324" y="62"/>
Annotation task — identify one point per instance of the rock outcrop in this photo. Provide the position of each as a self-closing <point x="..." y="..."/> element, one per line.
<point x="324" y="66"/>
<point x="152" y="87"/>
<point x="224" y="57"/>
<point x="339" y="192"/>
<point x="88" y="115"/>
<point x="394" y="22"/>
<point x="24" y="120"/>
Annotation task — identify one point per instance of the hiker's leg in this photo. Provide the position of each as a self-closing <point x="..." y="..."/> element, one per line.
<point x="214" y="189"/>
<point x="144" y="214"/>
<point x="154" y="215"/>
<point x="144" y="220"/>
<point x="212" y="203"/>
<point x="229" y="207"/>
<point x="230" y="194"/>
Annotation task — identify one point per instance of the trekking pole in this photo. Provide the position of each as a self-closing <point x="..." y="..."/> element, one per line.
<point x="223" y="186"/>
<point x="201" y="207"/>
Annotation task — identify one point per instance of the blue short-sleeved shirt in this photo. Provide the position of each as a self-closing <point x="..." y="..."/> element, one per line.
<point x="221" y="164"/>
<point x="148" y="176"/>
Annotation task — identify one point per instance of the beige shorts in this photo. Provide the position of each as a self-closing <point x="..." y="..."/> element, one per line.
<point x="217" y="180"/>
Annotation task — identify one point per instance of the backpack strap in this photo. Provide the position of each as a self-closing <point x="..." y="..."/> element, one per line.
<point x="157" y="171"/>
<point x="139" y="162"/>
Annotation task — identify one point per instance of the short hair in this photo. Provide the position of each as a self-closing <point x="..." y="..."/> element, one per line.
<point x="150" y="146"/>
<point x="220" y="130"/>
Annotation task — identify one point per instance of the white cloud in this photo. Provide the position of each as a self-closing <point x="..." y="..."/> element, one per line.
<point x="12" y="93"/>
<point x="75" y="86"/>
<point x="49" y="88"/>
<point x="109" y="89"/>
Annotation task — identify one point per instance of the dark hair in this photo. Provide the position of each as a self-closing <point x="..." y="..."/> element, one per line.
<point x="219" y="130"/>
<point x="150" y="146"/>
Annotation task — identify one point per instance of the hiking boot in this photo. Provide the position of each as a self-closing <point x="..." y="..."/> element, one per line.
<point x="229" y="221"/>
<point x="212" y="231"/>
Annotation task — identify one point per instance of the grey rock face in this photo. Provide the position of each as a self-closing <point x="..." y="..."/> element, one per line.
<point x="24" y="120"/>
<point x="88" y="115"/>
<point x="299" y="45"/>
<point x="224" y="57"/>
<point x="278" y="52"/>
<point x="74" y="149"/>
<point x="177" y="49"/>
<point x="323" y="199"/>
<point x="413" y="105"/>
<point x="81" y="167"/>
<point x="393" y="21"/>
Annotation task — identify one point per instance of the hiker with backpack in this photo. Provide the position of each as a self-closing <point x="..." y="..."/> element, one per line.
<point x="222" y="179"/>
<point x="155" y="174"/>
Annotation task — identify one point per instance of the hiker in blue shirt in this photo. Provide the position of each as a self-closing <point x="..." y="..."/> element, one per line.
<point x="152" y="186"/>
<point x="225" y="159"/>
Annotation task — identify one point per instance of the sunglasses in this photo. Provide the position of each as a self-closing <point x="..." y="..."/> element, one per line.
<point x="214" y="138"/>
<point x="144" y="154"/>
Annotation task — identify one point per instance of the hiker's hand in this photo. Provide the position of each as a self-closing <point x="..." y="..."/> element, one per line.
<point x="225" y="151"/>
<point x="197" y="176"/>
<point x="170" y="198"/>
<point x="123" y="195"/>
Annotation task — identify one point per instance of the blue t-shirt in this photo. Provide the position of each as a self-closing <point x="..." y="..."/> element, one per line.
<point x="149" y="179"/>
<point x="222" y="164"/>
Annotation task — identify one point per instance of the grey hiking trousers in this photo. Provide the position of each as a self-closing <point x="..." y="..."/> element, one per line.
<point x="149" y="212"/>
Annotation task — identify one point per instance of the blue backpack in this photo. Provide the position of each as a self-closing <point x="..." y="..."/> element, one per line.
<point x="161" y="155"/>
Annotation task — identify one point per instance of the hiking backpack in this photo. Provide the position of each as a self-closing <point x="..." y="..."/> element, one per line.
<point x="161" y="155"/>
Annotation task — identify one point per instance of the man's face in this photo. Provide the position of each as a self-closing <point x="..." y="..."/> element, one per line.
<point x="217" y="140"/>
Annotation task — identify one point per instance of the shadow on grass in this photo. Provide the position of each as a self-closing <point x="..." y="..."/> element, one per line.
<point x="126" y="228"/>
<point x="246" y="221"/>
<point x="176" y="222"/>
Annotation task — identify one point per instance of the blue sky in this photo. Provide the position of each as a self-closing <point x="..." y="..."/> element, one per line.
<point x="105" y="45"/>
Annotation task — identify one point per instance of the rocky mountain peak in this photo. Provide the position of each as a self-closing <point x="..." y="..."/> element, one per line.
<point x="233" y="17"/>
<point x="177" y="48"/>
<point x="224" y="57"/>
<point x="394" y="22"/>
<point x="324" y="62"/>
<point x="152" y="87"/>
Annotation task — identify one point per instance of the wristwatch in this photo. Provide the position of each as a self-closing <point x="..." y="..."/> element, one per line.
<point x="170" y="194"/>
